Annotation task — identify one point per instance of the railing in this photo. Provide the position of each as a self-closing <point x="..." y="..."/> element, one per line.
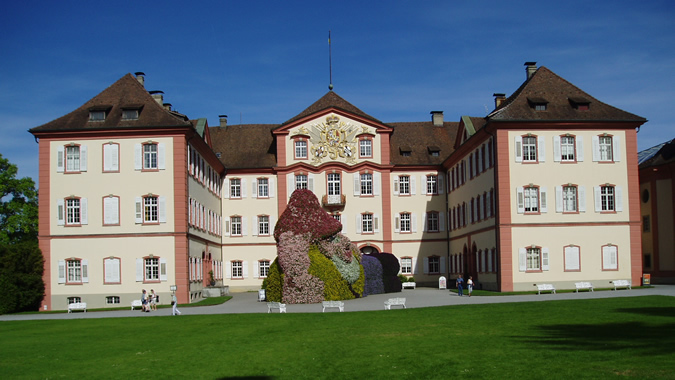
<point x="333" y="200"/>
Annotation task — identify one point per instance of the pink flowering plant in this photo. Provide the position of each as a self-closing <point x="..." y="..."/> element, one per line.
<point x="305" y="215"/>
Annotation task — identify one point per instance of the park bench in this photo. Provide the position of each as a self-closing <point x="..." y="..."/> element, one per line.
<point x="136" y="303"/>
<point x="408" y="285"/>
<point x="583" y="285"/>
<point x="621" y="284"/>
<point x="337" y="304"/>
<point x="77" y="306"/>
<point x="400" y="301"/>
<point x="545" y="288"/>
<point x="276" y="305"/>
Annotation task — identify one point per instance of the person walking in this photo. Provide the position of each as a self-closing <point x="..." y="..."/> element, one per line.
<point x="153" y="300"/>
<point x="460" y="285"/>
<point x="174" y="305"/>
<point x="144" y="302"/>
<point x="469" y="285"/>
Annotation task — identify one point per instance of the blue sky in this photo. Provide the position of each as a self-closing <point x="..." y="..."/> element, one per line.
<point x="265" y="62"/>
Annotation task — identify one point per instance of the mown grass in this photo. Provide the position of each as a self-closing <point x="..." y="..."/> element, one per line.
<point x="629" y="337"/>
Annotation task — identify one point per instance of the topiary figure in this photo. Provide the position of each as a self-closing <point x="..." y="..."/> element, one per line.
<point x="372" y="269"/>
<point x="390" y="269"/>
<point x="304" y="215"/>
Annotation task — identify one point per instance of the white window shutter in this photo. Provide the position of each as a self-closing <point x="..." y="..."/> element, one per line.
<point x="376" y="223"/>
<point x="357" y="184"/>
<point x="557" y="157"/>
<point x="616" y="148"/>
<point x="256" y="227"/>
<point x="85" y="270"/>
<point x="256" y="270"/>
<point x="228" y="270"/>
<point x="60" y="212"/>
<point x="558" y="199"/>
<point x="162" y="209"/>
<point x="522" y="259"/>
<point x="413" y="221"/>
<point x="244" y="226"/>
<point x="424" y="225"/>
<point x="441" y="184"/>
<point x="272" y="189"/>
<point x="581" y="194"/>
<point x="272" y="224"/>
<point x="359" y="220"/>
<point x="442" y="268"/>
<point x="541" y="149"/>
<point x="472" y="164"/>
<point x="138" y="157"/>
<point x="397" y="223"/>
<point x="518" y="148"/>
<point x="580" y="148"/>
<point x="245" y="269"/>
<point x="243" y="187"/>
<point x="416" y="270"/>
<point x="596" y="148"/>
<point x="441" y="221"/>
<point x="377" y="183"/>
<point x="226" y="188"/>
<point x="290" y="184"/>
<point x="139" y="270"/>
<point x="423" y="184"/>
<point x="413" y="186"/>
<point x="161" y="156"/>
<point x="84" y="211"/>
<point x="310" y="182"/>
<point x="226" y="229"/>
<point x="139" y="210"/>
<point x="426" y="265"/>
<point x="395" y="187"/>
<point x="62" y="271"/>
<point x="544" y="259"/>
<point x="162" y="269"/>
<point x="479" y="160"/>
<point x="543" y="199"/>
<point x="254" y="188"/>
<point x="618" y="198"/>
<point x="520" y="201"/>
<point x="83" y="158"/>
<point x="60" y="157"/>
<point x="598" y="199"/>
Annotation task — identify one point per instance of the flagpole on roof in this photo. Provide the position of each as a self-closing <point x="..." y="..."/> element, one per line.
<point x="330" y="65"/>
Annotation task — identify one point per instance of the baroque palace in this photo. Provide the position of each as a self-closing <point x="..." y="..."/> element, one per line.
<point x="134" y="195"/>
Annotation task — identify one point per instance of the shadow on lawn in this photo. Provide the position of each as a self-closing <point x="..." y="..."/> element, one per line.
<point x="651" y="311"/>
<point x="638" y="337"/>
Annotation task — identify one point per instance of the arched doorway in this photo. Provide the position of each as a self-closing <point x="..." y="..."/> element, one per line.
<point x="368" y="249"/>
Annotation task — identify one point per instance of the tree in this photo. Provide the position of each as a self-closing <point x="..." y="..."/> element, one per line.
<point x="18" y="206"/>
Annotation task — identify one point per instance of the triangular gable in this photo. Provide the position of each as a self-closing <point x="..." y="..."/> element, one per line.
<point x="465" y="131"/>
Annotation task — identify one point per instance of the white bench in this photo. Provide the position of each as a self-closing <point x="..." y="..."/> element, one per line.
<point x="394" y="302"/>
<point x="583" y="285"/>
<point x="136" y="303"/>
<point x="276" y="305"/>
<point x="337" y="304"/>
<point x="408" y="285"/>
<point x="621" y="284"/>
<point x="545" y="288"/>
<point x="77" y="306"/>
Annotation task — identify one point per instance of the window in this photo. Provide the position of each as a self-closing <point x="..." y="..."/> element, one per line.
<point x="152" y="269"/>
<point x="112" y="300"/>
<point x="572" y="258"/>
<point x="263" y="225"/>
<point x="73" y="212"/>
<point x="235" y="222"/>
<point x="405" y="222"/>
<point x="531" y="195"/>
<point x="366" y="148"/>
<point x="74" y="300"/>
<point x="533" y="259"/>
<point x="646" y="224"/>
<point x="301" y="181"/>
<point x="367" y="223"/>
<point x="404" y="185"/>
<point x="237" y="269"/>
<point x="432" y="184"/>
<point x="111" y="210"/>
<point x="605" y="145"/>
<point x="607" y="198"/>
<point x="610" y="257"/>
<point x="432" y="222"/>
<point x="130" y="114"/>
<point x="111" y="157"/>
<point x="434" y="264"/>
<point x="567" y="148"/>
<point x="300" y="149"/>
<point x="235" y="188"/>
<point x="529" y="149"/>
<point x="74" y="268"/>
<point x="406" y="265"/>
<point x="263" y="268"/>
<point x="334" y="184"/>
<point x="263" y="188"/>
<point x="150" y="156"/>
<point x="366" y="184"/>
<point x="73" y="158"/>
<point x="569" y="198"/>
<point x="150" y="210"/>
<point x="111" y="270"/>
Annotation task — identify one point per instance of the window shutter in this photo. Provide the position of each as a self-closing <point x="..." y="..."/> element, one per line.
<point x="254" y="188"/>
<point x="442" y="268"/>
<point x="85" y="270"/>
<point x="357" y="184"/>
<point x="441" y="221"/>
<point x="580" y="148"/>
<point x="479" y="161"/>
<point x="310" y="182"/>
<point x="162" y="209"/>
<point x="541" y="149"/>
<point x="598" y="199"/>
<point x="60" y="209"/>
<point x="60" y="155"/>
<point x="228" y="270"/>
<point x="520" y="200"/>
<point x="290" y="184"/>
<point x="472" y="164"/>
<point x="557" y="157"/>
<point x="376" y="223"/>
<point x="139" y="270"/>
<point x="558" y="199"/>
<point x="138" y="157"/>
<point x="441" y="184"/>
<point x="83" y="158"/>
<point x="272" y="189"/>
<point x="618" y="198"/>
<point x="343" y="220"/>
<point x="161" y="156"/>
<point x="243" y="187"/>
<point x="596" y="148"/>
<point x="256" y="270"/>
<point x="244" y="226"/>
<point x="84" y="211"/>
<point x="544" y="259"/>
<point x="543" y="201"/>
<point x="426" y="265"/>
<point x="413" y="186"/>
<point x="226" y="189"/>
<point x="359" y="220"/>
<point x="62" y="271"/>
<point x="139" y="210"/>
<point x="245" y="269"/>
<point x="616" y="148"/>
<point x="272" y="225"/>
<point x="415" y="269"/>
<point x="395" y="187"/>
<point x="424" y="225"/>
<point x="397" y="223"/>
<point x="162" y="269"/>
<point x="423" y="184"/>
<point x="256" y="227"/>
<point x="581" y="193"/>
<point x="519" y="148"/>
<point x="413" y="222"/>
<point x="377" y="183"/>
<point x="522" y="259"/>
<point x="226" y="230"/>
<point x="572" y="258"/>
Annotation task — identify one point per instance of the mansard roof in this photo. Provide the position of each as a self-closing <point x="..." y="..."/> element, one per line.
<point x="247" y="146"/>
<point x="562" y="100"/>
<point x="330" y="100"/>
<point x="419" y="139"/>
<point x="126" y="93"/>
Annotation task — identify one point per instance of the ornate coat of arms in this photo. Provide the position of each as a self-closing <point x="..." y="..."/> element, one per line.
<point x="333" y="139"/>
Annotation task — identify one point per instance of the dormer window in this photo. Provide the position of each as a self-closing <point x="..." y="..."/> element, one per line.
<point x="98" y="113"/>
<point x="130" y="114"/>
<point x="406" y="151"/>
<point x="434" y="151"/>
<point x="539" y="104"/>
<point x="580" y="103"/>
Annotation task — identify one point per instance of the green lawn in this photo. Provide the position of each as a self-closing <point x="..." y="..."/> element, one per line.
<point x="631" y="337"/>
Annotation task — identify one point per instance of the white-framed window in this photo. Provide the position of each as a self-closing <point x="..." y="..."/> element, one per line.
<point x="605" y="145"/>
<point x="406" y="265"/>
<point x="610" y="257"/>
<point x="366" y="184"/>
<point x="606" y="148"/>
<point x="111" y="157"/>
<point x="263" y="190"/>
<point x="334" y="184"/>
<point x="263" y="268"/>
<point x="151" y="209"/>
<point x="365" y="148"/>
<point x="569" y="198"/>
<point x="300" y="181"/>
<point x="237" y="269"/>
<point x="130" y="114"/>
<point x="235" y="188"/>
<point x="74" y="300"/>
<point x="151" y="269"/>
<point x="534" y="259"/>
<point x="111" y="210"/>
<point x="74" y="269"/>
<point x="531" y="200"/>
<point x="607" y="198"/>
<point x="367" y="223"/>
<point x="235" y="225"/>
<point x="567" y="149"/>
<point x="97" y="115"/>
<point x="529" y="149"/>
<point x="572" y="258"/>
<point x="300" y="149"/>
<point x="263" y="225"/>
<point x="531" y="195"/>
<point x="72" y="158"/>
<point x="404" y="185"/>
<point x="432" y="222"/>
<point x="111" y="270"/>
<point x="434" y="264"/>
<point x="150" y="161"/>
<point x="112" y="300"/>
<point x="432" y="184"/>
<point x="73" y="211"/>
<point x="405" y="222"/>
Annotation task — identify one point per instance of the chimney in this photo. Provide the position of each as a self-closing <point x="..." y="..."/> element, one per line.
<point x="158" y="96"/>
<point x="167" y="106"/>
<point x="223" y="121"/>
<point x="437" y="118"/>
<point x="499" y="99"/>
<point x="140" y="77"/>
<point x="530" y="68"/>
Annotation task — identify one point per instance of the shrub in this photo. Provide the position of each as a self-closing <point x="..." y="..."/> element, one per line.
<point x="390" y="269"/>
<point x="372" y="269"/>
<point x="21" y="268"/>
<point x="403" y="278"/>
<point x="274" y="282"/>
<point x="335" y="287"/>
<point x="305" y="215"/>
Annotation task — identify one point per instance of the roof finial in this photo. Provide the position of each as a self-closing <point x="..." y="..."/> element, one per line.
<point x="330" y="65"/>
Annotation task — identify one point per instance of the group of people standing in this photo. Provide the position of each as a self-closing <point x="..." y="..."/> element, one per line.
<point x="149" y="302"/>
<point x="460" y="285"/>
